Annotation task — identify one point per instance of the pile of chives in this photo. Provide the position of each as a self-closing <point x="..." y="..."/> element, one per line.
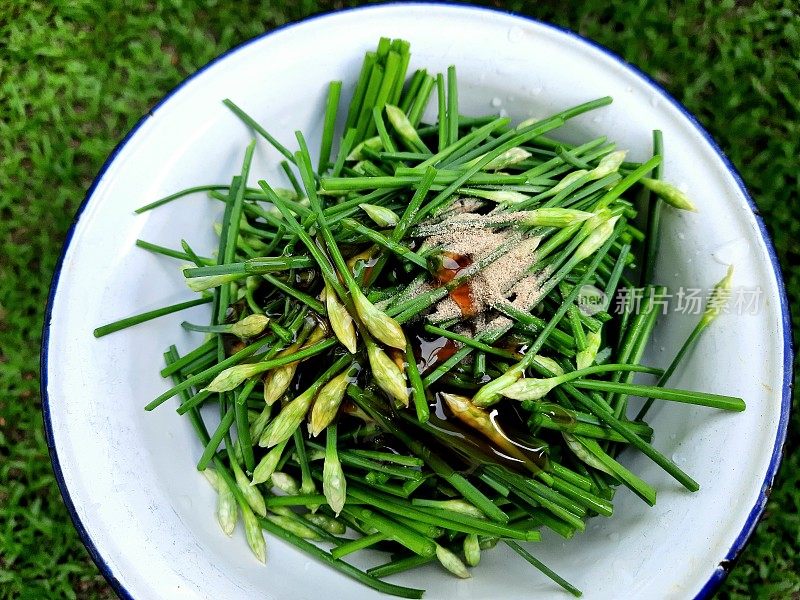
<point x="332" y="429"/>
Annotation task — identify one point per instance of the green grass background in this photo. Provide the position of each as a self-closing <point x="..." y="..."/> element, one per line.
<point x="75" y="75"/>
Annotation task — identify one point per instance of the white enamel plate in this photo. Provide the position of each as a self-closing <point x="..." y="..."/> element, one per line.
<point x="128" y="477"/>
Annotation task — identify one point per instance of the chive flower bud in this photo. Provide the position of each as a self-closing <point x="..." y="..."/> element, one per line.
<point x="257" y="426"/>
<point x="451" y="562"/>
<point x="266" y="467"/>
<point x="585" y="358"/>
<point x="508" y="158"/>
<point x="472" y="550"/>
<point x="250" y="326"/>
<point x="361" y="167"/>
<point x="283" y="510"/>
<point x="227" y="509"/>
<point x="327" y="523"/>
<point x="610" y="163"/>
<point x="549" y="364"/>
<point x="250" y="492"/>
<point x="315" y="454"/>
<point x="340" y="320"/>
<point x="200" y="284"/>
<point x="669" y="193"/>
<point x="378" y="323"/>
<point x="288" y="420"/>
<point x="334" y="485"/>
<point x="481" y="421"/>
<point x="487" y="542"/>
<point x="457" y="505"/>
<point x="213" y="478"/>
<point x="277" y="381"/>
<point x="373" y="143"/>
<point x="468" y="412"/>
<point x="255" y="537"/>
<point x="285" y="483"/>
<point x="490" y="392"/>
<point x="555" y="217"/>
<point x="599" y="217"/>
<point x="527" y="123"/>
<point x="380" y="214"/>
<point x="404" y="128"/>
<point x="568" y="180"/>
<point x="238" y="455"/>
<point x="584" y="455"/>
<point x="595" y="239"/>
<point x="232" y="377"/>
<point x="327" y="403"/>
<point x="389" y="377"/>
<point x="499" y="196"/>
<point x="718" y="298"/>
<point x="531" y="389"/>
<point x="295" y="527"/>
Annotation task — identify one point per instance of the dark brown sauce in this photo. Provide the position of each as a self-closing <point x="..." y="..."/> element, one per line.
<point x="462" y="296"/>
<point x="473" y="450"/>
<point x="384" y="442"/>
<point x="305" y="278"/>
<point x="514" y="343"/>
<point x="476" y="449"/>
<point x="232" y="345"/>
<point x="430" y="353"/>
<point x="448" y="266"/>
<point x="306" y="375"/>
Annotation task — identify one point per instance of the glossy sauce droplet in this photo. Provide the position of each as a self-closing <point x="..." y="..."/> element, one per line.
<point x="432" y="352"/>
<point x="450" y="266"/>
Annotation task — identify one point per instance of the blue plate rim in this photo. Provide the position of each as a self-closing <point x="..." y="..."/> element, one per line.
<point x="719" y="574"/>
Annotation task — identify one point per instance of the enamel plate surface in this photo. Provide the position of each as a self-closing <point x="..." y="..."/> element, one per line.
<point x="129" y="477"/>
